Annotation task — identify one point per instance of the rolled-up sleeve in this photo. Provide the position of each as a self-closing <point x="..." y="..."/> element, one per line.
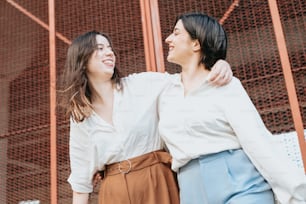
<point x="79" y="178"/>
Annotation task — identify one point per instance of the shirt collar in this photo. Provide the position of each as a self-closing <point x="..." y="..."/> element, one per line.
<point x="176" y="79"/>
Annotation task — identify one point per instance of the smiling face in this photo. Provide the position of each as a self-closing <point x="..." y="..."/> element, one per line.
<point x="102" y="61"/>
<point x="208" y="39"/>
<point x="180" y="45"/>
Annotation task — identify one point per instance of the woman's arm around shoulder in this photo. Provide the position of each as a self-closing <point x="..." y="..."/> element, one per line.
<point x="147" y="82"/>
<point x="221" y="73"/>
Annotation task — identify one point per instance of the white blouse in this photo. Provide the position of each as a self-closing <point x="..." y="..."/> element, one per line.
<point x="213" y="119"/>
<point x="95" y="143"/>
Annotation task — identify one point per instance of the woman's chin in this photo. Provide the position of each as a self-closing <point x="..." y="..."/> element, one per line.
<point x="170" y="59"/>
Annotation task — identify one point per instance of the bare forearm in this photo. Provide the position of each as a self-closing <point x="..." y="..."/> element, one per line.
<point x="80" y="198"/>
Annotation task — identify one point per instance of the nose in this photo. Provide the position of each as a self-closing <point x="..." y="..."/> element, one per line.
<point x="109" y="51"/>
<point x="168" y="39"/>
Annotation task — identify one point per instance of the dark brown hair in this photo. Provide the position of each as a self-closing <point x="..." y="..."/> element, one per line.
<point x="210" y="34"/>
<point x="75" y="94"/>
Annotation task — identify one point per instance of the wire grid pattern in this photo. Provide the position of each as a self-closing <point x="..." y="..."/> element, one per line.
<point x="293" y="18"/>
<point x="24" y="76"/>
<point x="25" y="68"/>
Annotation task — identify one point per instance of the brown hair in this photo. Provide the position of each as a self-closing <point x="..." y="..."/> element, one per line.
<point x="75" y="94"/>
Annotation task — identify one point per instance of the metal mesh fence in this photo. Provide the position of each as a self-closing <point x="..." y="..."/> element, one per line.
<point x="24" y="76"/>
<point x="24" y="124"/>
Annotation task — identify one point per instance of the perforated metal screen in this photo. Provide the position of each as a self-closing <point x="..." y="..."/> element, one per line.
<point x="24" y="76"/>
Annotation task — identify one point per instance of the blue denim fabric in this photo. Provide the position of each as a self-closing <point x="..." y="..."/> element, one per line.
<point x="227" y="177"/>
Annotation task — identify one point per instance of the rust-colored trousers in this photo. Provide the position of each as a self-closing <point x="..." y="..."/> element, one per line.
<point x="146" y="179"/>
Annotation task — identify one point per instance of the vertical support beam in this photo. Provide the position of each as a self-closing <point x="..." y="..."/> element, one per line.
<point x="157" y="37"/>
<point x="147" y="35"/>
<point x="295" y="110"/>
<point x="152" y="35"/>
<point x="52" y="62"/>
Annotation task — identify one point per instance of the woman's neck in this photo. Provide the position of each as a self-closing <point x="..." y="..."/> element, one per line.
<point x="103" y="100"/>
<point x="193" y="76"/>
<point x="102" y="92"/>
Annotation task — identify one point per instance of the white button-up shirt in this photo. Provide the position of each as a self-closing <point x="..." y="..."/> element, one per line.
<point x="95" y="143"/>
<point x="213" y="119"/>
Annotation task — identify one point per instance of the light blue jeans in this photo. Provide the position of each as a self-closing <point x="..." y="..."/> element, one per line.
<point x="227" y="177"/>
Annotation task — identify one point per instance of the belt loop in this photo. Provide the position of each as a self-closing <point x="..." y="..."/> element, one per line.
<point x="156" y="156"/>
<point x="163" y="157"/>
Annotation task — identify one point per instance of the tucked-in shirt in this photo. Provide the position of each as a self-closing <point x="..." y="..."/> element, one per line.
<point x="95" y="143"/>
<point x="213" y="119"/>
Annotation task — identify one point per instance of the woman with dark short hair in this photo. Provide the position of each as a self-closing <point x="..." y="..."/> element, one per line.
<point x="221" y="149"/>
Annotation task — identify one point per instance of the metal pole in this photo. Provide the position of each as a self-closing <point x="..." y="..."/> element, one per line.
<point x="157" y="37"/>
<point x="148" y="35"/>
<point x="52" y="59"/>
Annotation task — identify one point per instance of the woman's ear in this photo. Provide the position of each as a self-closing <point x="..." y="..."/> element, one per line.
<point x="196" y="45"/>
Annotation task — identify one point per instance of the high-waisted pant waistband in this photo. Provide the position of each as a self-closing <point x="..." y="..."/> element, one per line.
<point x="136" y="163"/>
<point x="213" y="156"/>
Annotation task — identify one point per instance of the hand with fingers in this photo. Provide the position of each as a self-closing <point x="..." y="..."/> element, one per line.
<point x="98" y="176"/>
<point x="221" y="73"/>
